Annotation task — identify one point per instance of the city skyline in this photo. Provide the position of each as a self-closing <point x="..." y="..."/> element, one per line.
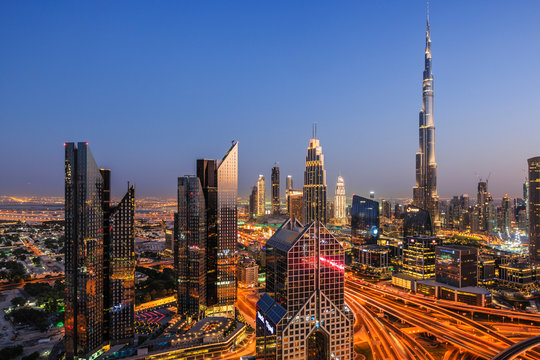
<point x="463" y="33"/>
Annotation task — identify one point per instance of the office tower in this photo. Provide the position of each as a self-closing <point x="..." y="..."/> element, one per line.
<point x="119" y="258"/>
<point x="303" y="314"/>
<point x="416" y="222"/>
<point x="484" y="212"/>
<point x="372" y="195"/>
<point x="295" y="203"/>
<point x="425" y="191"/>
<point x="219" y="182"/>
<point x="533" y="195"/>
<point x="99" y="258"/>
<point x="314" y="182"/>
<point x="261" y="198"/>
<point x="506" y="212"/>
<point x="456" y="265"/>
<point x="275" y="191"/>
<point x="419" y="256"/>
<point x="386" y="209"/>
<point x="289" y="183"/>
<point x="364" y="221"/>
<point x="253" y="203"/>
<point x="190" y="248"/>
<point x="340" y="200"/>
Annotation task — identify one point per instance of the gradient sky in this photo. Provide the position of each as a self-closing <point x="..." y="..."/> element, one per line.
<point x="154" y="85"/>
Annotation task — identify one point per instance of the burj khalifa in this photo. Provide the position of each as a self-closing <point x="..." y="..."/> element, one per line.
<point x="425" y="192"/>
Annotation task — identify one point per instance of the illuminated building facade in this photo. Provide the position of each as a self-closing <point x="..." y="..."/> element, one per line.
<point x="416" y="222"/>
<point x="303" y="314"/>
<point x="261" y="196"/>
<point x="456" y="265"/>
<point x="364" y="221"/>
<point x="289" y="184"/>
<point x="295" y="203"/>
<point x="340" y="199"/>
<point x="314" y="183"/>
<point x="190" y="248"/>
<point x="119" y="255"/>
<point x="533" y="196"/>
<point x="253" y="203"/>
<point x="425" y="191"/>
<point x="276" y="203"/>
<point x="419" y="256"/>
<point x="219" y="182"/>
<point x="99" y="258"/>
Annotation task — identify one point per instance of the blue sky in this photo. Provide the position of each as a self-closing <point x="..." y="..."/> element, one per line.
<point x="154" y="85"/>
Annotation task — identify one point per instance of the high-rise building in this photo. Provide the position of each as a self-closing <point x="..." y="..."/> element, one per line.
<point x="506" y="212"/>
<point x="419" y="256"/>
<point x="340" y="199"/>
<point x="295" y="203"/>
<point x="425" y="191"/>
<point x="261" y="196"/>
<point x="99" y="258"/>
<point x="364" y="221"/>
<point x="119" y="258"/>
<point x="314" y="182"/>
<point x="253" y="203"/>
<point x="416" y="222"/>
<point x="456" y="265"/>
<point x="289" y="184"/>
<point x="219" y="182"/>
<point x="303" y="314"/>
<point x="533" y="195"/>
<point x="276" y="202"/>
<point x="190" y="248"/>
<point x="484" y="211"/>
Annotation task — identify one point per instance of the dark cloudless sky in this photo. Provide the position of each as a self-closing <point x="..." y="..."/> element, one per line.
<point x="154" y="85"/>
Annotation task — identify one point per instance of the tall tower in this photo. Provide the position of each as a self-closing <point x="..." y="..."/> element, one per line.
<point x="99" y="258"/>
<point x="275" y="190"/>
<point x="289" y="183"/>
<point x="425" y="191"/>
<point x="190" y="248"/>
<point x="219" y="182"/>
<point x="533" y="194"/>
<point x="340" y="199"/>
<point x="261" y="198"/>
<point x="314" y="182"/>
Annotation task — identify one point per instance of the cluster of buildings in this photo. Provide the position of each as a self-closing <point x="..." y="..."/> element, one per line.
<point x="302" y="313"/>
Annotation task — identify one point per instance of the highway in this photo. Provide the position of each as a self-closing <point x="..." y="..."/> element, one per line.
<point x="478" y="339"/>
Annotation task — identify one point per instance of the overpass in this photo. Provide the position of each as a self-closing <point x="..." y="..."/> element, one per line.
<point x="518" y="348"/>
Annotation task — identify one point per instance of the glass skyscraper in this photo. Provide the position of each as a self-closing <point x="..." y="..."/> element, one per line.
<point x="533" y="195"/>
<point x="190" y="248"/>
<point x="275" y="191"/>
<point x="416" y="222"/>
<point x="364" y="221"/>
<point x="303" y="314"/>
<point x="99" y="258"/>
<point x="219" y="181"/>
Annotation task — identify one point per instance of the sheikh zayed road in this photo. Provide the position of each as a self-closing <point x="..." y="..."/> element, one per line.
<point x="301" y="274"/>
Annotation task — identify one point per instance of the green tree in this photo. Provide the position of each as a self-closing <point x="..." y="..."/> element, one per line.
<point x="18" y="301"/>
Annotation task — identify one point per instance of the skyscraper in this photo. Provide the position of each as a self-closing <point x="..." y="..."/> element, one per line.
<point x="425" y="191"/>
<point x="275" y="191"/>
<point x="340" y="200"/>
<point x="261" y="196"/>
<point x="219" y="182"/>
<point x="364" y="221"/>
<point x="190" y="248"/>
<point x="289" y="183"/>
<point x="314" y="182"/>
<point x="253" y="202"/>
<point x="295" y="201"/>
<point x="303" y="314"/>
<point x="119" y="258"/>
<point x="99" y="258"/>
<point x="533" y="195"/>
